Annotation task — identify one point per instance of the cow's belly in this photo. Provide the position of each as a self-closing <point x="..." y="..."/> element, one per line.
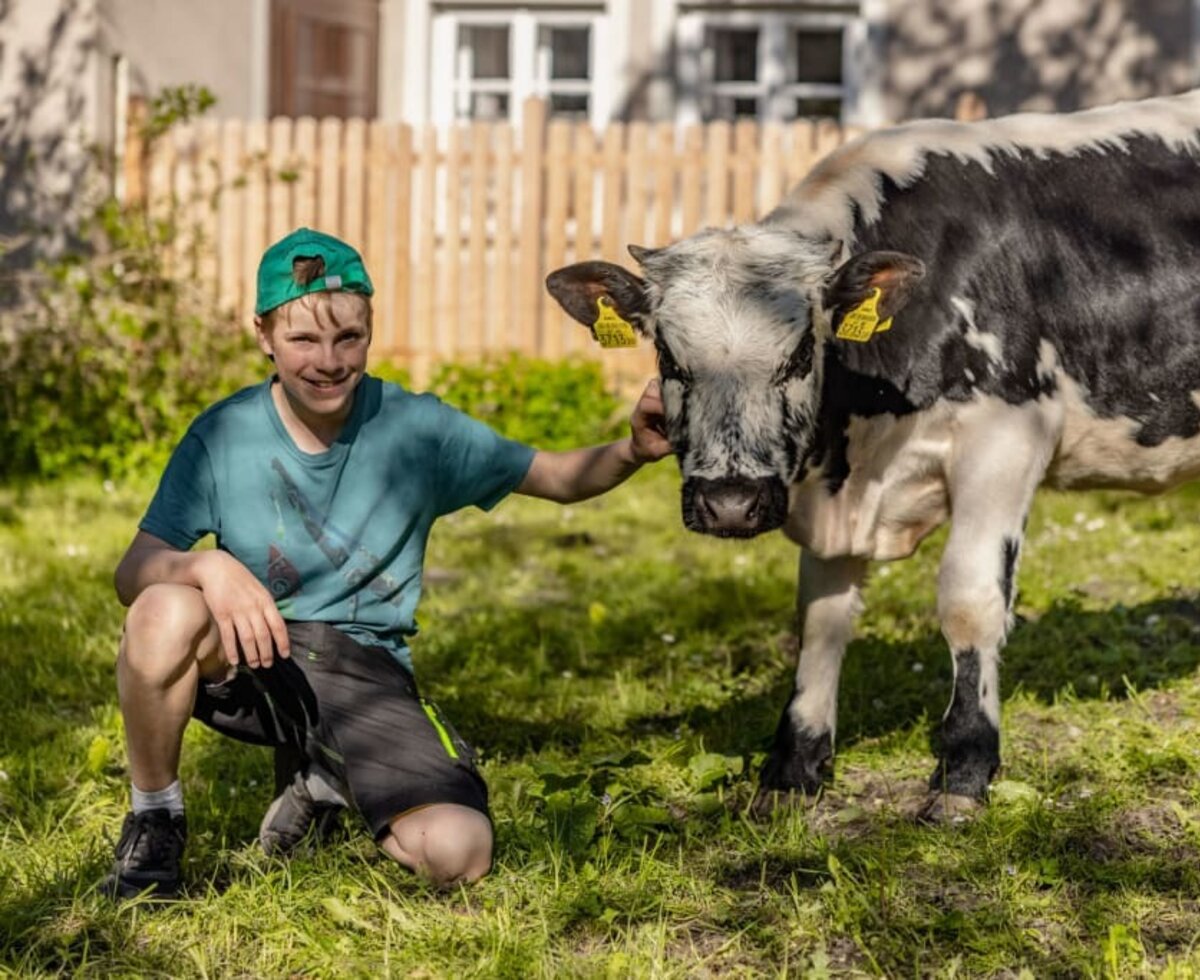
<point x="1095" y="453"/>
<point x="893" y="497"/>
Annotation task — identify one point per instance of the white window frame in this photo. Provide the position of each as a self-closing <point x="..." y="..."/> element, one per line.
<point x="775" y="94"/>
<point x="529" y="68"/>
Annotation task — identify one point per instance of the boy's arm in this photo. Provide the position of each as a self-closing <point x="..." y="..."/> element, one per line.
<point x="577" y="474"/>
<point x="241" y="606"/>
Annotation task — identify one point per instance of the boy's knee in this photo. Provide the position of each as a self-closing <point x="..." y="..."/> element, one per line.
<point x="446" y="843"/>
<point x="162" y="629"/>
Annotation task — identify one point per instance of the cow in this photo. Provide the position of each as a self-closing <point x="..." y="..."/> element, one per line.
<point x="938" y="319"/>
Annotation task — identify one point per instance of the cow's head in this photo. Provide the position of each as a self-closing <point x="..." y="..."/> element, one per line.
<point x="739" y="320"/>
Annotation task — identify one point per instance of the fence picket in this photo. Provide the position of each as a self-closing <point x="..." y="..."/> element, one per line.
<point x="771" y="189"/>
<point x="279" y="176"/>
<point x="745" y="164"/>
<point x="304" y="164"/>
<point x="529" y="284"/>
<point x="377" y="229"/>
<point x="448" y="321"/>
<point x="353" y="173"/>
<point x="717" y="175"/>
<point x="424" y="275"/>
<point x="665" y="165"/>
<point x="230" y="207"/>
<point x="329" y="177"/>
<point x="499" y="332"/>
<point x="255" y="217"/>
<point x="476" y="287"/>
<point x="610" y="234"/>
<point x="691" y="181"/>
<point x="400" y="236"/>
<point x="558" y="185"/>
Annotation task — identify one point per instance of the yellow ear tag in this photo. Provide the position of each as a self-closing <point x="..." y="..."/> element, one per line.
<point x="862" y="322"/>
<point x="610" y="328"/>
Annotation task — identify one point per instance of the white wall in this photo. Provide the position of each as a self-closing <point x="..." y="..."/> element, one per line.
<point x="221" y="44"/>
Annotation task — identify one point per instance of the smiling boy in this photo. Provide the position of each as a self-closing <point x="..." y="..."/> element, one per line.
<point x="320" y="485"/>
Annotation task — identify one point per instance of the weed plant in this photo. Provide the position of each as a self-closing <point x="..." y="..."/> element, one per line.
<point x="622" y="678"/>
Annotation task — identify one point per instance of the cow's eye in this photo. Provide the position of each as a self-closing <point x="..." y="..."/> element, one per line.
<point x="800" y="362"/>
<point x="668" y="367"/>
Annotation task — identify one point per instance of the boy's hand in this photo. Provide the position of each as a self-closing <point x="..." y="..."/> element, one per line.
<point x="649" y="426"/>
<point x="243" y="610"/>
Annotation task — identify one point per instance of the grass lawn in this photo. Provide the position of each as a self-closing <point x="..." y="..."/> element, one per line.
<point x="622" y="678"/>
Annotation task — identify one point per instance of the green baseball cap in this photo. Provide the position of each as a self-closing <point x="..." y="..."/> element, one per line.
<point x="344" y="269"/>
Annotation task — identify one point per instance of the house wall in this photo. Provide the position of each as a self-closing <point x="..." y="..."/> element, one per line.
<point x="221" y="44"/>
<point x="48" y="111"/>
<point x="1033" y="55"/>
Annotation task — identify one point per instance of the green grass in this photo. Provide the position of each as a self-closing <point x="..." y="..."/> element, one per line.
<point x="622" y="678"/>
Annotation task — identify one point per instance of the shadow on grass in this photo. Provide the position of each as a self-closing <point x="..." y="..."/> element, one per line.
<point x="886" y="685"/>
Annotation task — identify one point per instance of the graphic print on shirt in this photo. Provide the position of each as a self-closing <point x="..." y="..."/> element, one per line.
<point x="356" y="566"/>
<point x="282" y="577"/>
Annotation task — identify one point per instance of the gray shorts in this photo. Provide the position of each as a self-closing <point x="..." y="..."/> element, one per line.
<point x="357" y="711"/>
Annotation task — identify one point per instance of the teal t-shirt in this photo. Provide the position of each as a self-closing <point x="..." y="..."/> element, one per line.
<point x="339" y="536"/>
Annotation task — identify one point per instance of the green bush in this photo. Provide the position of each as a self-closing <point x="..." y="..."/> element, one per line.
<point x="107" y="358"/>
<point x="548" y="404"/>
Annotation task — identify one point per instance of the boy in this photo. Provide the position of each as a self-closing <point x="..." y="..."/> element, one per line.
<point x="321" y="486"/>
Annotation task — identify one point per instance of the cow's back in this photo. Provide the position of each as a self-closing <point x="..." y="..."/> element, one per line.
<point x="1061" y="257"/>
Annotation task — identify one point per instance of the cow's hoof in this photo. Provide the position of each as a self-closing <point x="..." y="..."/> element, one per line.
<point x="948" y="808"/>
<point x="768" y="801"/>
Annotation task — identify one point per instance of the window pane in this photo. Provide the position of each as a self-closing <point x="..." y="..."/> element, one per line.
<point x="568" y="48"/>
<point x="819" y="56"/>
<point x="572" y="106"/>
<point x="488" y="46"/>
<point x="735" y="54"/>
<point x="730" y="106"/>
<point x="489" y="106"/>
<point x="831" y="108"/>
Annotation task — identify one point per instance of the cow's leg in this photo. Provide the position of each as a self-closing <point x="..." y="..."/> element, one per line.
<point x="993" y="480"/>
<point x="828" y="601"/>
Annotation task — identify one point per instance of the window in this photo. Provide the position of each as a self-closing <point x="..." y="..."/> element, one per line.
<point x="769" y="65"/>
<point x="485" y="64"/>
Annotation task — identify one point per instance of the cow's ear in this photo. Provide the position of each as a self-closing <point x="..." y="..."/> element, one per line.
<point x="895" y="274"/>
<point x="580" y="287"/>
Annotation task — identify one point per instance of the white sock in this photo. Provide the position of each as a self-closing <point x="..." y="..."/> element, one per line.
<point x="170" y="798"/>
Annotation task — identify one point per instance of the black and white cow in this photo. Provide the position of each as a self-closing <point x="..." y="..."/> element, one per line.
<point x="1037" y="284"/>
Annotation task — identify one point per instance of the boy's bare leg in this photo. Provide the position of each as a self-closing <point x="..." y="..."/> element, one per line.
<point x="170" y="642"/>
<point x="446" y="843"/>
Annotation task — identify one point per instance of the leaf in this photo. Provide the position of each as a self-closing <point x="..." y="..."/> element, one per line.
<point x="98" y="754"/>
<point x="636" y="818"/>
<point x="343" y="915"/>
<point x="710" y="768"/>
<point x="572" y="819"/>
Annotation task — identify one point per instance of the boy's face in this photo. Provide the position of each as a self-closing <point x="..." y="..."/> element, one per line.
<point x="319" y="343"/>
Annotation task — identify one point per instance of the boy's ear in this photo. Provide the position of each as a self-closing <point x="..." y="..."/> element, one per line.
<point x="579" y="288"/>
<point x="261" y="337"/>
<point x="895" y="274"/>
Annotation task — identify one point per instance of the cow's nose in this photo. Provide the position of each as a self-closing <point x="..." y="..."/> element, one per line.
<point x="732" y="507"/>
<point x="735" y="507"/>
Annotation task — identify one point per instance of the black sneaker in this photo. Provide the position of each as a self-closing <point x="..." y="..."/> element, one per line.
<point x="148" y="855"/>
<point x="311" y="802"/>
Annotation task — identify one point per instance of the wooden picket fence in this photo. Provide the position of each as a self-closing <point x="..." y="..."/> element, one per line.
<point x="460" y="226"/>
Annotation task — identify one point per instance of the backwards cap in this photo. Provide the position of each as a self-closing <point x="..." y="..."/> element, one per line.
<point x="344" y="269"/>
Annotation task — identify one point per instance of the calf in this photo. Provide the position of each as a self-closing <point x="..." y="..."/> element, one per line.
<point x="937" y="320"/>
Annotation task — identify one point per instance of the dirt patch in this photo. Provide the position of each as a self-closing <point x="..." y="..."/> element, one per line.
<point x="1154" y="830"/>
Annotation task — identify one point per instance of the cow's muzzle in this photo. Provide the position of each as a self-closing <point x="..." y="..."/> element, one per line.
<point x="734" y="507"/>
